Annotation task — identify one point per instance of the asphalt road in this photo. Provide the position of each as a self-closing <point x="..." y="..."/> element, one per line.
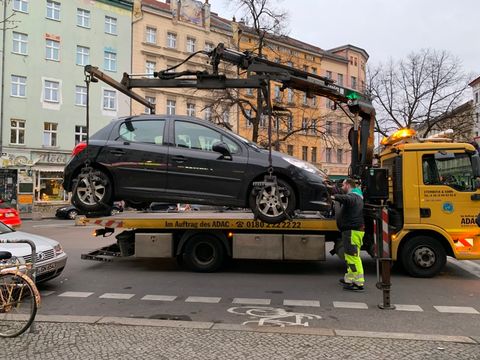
<point x="255" y="291"/>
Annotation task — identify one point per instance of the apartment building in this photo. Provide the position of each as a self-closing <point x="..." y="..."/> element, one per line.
<point x="43" y="98"/>
<point x="164" y="35"/>
<point x="475" y="85"/>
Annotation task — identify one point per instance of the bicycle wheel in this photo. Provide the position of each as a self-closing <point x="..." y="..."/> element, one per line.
<point x="17" y="305"/>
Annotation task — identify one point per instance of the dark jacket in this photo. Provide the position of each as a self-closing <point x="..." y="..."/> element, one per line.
<point x="349" y="214"/>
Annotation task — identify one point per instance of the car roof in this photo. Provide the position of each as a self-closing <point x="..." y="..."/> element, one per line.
<point x="165" y="117"/>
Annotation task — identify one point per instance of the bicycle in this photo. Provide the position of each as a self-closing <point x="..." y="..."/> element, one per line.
<point x="19" y="296"/>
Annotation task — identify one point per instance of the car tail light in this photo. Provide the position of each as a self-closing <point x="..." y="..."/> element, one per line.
<point x="79" y="148"/>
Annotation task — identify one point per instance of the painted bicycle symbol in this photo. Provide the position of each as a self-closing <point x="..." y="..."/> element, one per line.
<point x="268" y="316"/>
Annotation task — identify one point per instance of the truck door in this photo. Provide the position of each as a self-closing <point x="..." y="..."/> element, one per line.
<point x="449" y="193"/>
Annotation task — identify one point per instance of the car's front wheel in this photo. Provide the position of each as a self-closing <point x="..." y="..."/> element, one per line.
<point x="273" y="202"/>
<point x="72" y="214"/>
<point x="92" y="191"/>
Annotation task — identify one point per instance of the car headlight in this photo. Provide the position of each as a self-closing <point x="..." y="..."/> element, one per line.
<point x="304" y="166"/>
<point x="58" y="249"/>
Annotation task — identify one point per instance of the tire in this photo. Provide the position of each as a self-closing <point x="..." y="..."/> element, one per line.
<point x="137" y="205"/>
<point x="18" y="306"/>
<point x="71" y="214"/>
<point x="423" y="257"/>
<point x="204" y="253"/>
<point x="266" y="206"/>
<point x="84" y="199"/>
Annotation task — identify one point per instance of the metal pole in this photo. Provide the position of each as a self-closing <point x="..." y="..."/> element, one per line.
<point x="385" y="260"/>
<point x="2" y="97"/>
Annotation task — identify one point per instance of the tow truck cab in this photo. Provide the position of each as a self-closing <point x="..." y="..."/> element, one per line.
<point x="434" y="199"/>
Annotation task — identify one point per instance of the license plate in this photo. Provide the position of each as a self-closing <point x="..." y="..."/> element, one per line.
<point x="46" y="268"/>
<point x="9" y="215"/>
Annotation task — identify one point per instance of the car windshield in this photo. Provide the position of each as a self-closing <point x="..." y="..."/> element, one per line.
<point x="4" y="229"/>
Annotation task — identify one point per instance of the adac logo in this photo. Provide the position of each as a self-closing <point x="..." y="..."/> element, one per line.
<point x="447" y="207"/>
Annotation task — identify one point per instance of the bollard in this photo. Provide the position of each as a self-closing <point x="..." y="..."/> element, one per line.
<point x="384" y="260"/>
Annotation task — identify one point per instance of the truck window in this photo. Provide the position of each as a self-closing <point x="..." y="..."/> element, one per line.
<point x="451" y="169"/>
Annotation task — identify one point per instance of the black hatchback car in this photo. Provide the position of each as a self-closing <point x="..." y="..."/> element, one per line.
<point x="148" y="158"/>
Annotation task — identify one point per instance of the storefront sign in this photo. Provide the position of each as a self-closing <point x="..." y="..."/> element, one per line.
<point x="25" y="199"/>
<point x="51" y="158"/>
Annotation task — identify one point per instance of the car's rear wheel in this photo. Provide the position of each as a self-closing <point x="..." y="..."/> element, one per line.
<point x="272" y="206"/>
<point x="71" y="214"/>
<point x="92" y="191"/>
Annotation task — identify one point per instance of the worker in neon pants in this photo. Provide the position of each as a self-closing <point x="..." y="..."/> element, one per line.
<point x="349" y="216"/>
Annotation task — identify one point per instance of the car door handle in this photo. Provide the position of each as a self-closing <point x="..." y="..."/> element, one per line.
<point x="179" y="158"/>
<point x="117" y="152"/>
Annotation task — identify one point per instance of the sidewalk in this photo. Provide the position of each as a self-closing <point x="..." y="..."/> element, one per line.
<point x="90" y="337"/>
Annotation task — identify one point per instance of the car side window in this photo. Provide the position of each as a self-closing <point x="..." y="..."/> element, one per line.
<point x="199" y="137"/>
<point x="143" y="131"/>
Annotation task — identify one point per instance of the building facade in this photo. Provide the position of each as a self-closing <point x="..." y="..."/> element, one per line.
<point x="475" y="85"/>
<point x="43" y="100"/>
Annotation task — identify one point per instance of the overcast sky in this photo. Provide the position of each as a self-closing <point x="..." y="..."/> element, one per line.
<point x="384" y="28"/>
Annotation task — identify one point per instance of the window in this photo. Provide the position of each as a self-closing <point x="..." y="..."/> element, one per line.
<point x="476" y="97"/>
<point x="277" y="93"/>
<point x="304" y="125"/>
<point x="83" y="55"/>
<point x="249" y="92"/>
<point x="191" y="44"/>
<point x="290" y="150"/>
<point x="110" y="25"/>
<point x="328" y="127"/>
<point x="208" y="113"/>
<point x="305" y="153"/>
<point x="20" y="5"/>
<point x="83" y="18"/>
<point x="328" y="155"/>
<point x="314" y="101"/>
<point x="305" y="99"/>
<point x="110" y="61"/>
<point x="51" y="186"/>
<point x="314" y="154"/>
<point x="150" y="132"/>
<point x="209" y="46"/>
<point x="171" y="104"/>
<point x="150" y="68"/>
<point x="289" y="123"/>
<point x="53" y="10"/>
<point x="340" y="156"/>
<point x="248" y="117"/>
<point x="305" y="68"/>
<point x="152" y="100"/>
<point x="450" y="169"/>
<point x="314" y="70"/>
<point x="151" y="35"/>
<point x="340" y="79"/>
<point x="314" y="126"/>
<point x="109" y="100"/>
<point x="81" y="95"/>
<point x="17" y="132"/>
<point x="171" y="40"/>
<point x="52" y="50"/>
<point x="190" y="109"/>
<point x="49" y="134"/>
<point x="329" y="104"/>
<point x="339" y="129"/>
<point x="354" y="82"/>
<point x="290" y="96"/>
<point x="226" y="117"/>
<point x="51" y="91"/>
<point x="199" y="137"/>
<point x="20" y="42"/>
<point x="263" y="121"/>
<point x="80" y="134"/>
<point x="328" y="74"/>
<point x="289" y="63"/>
<point x="19" y="86"/>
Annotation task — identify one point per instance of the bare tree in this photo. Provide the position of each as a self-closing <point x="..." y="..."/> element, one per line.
<point x="416" y="91"/>
<point x="7" y="21"/>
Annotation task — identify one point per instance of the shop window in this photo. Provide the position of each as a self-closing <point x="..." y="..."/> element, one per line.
<point x="50" y="185"/>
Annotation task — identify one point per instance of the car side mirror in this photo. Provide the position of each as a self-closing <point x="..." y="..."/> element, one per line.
<point x="223" y="149"/>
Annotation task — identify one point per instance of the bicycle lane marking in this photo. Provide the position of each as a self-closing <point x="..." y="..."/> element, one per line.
<point x="269" y="316"/>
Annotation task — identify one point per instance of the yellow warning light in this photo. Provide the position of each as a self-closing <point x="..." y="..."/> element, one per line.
<point x="398" y="135"/>
<point x="230" y="234"/>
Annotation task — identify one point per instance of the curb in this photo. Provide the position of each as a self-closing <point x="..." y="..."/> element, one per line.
<point x="291" y="330"/>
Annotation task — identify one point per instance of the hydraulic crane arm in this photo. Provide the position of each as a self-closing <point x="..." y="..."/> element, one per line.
<point x="260" y="72"/>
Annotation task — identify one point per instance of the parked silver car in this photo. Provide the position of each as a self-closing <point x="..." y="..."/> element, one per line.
<point x="51" y="258"/>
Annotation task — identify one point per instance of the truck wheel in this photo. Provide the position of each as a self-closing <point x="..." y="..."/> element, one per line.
<point x="423" y="256"/>
<point x="92" y="192"/>
<point x="203" y="253"/>
<point x="269" y="208"/>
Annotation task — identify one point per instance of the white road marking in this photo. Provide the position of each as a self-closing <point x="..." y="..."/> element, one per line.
<point x="467" y="265"/>
<point x="116" y="296"/>
<point x="456" y="309"/>
<point x="273" y="316"/>
<point x="314" y="303"/>
<point x="403" y="307"/>
<point x="202" y="299"/>
<point x="349" y="305"/>
<point x="46" y="293"/>
<point x="248" y="301"/>
<point x="159" y="297"/>
<point x="79" y="294"/>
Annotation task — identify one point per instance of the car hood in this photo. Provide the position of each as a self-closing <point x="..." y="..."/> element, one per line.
<point x="23" y="249"/>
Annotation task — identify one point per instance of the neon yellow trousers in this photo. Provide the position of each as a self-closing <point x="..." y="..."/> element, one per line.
<point x="352" y="243"/>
